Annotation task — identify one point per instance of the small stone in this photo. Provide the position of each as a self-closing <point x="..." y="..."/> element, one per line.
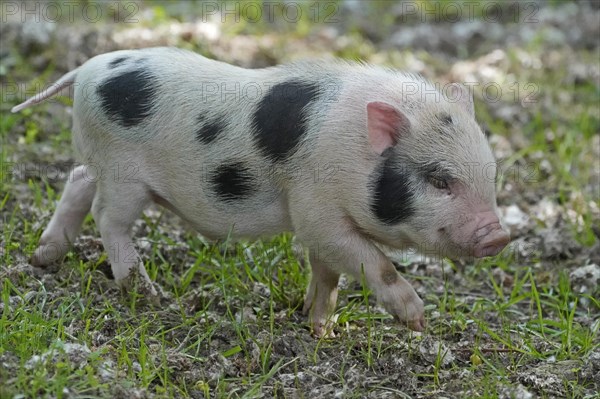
<point x="515" y="392"/>
<point x="585" y="280"/>
<point x="515" y="218"/>
<point x="262" y="290"/>
<point x="245" y="315"/>
<point x="591" y="368"/>
<point x="431" y="350"/>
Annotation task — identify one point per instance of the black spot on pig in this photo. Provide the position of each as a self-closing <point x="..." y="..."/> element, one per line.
<point x="127" y="98"/>
<point x="209" y="129"/>
<point x="280" y="118"/>
<point x="445" y="123"/>
<point x="117" y="61"/>
<point x="393" y="201"/>
<point x="446" y="119"/>
<point x="233" y="182"/>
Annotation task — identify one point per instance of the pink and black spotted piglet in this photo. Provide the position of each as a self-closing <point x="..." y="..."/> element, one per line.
<point x="351" y="158"/>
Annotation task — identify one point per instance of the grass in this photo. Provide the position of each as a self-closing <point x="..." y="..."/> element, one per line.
<point x="217" y="317"/>
<point x="229" y="322"/>
<point x="527" y="317"/>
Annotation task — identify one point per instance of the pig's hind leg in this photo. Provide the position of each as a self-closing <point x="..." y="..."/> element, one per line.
<point x="74" y="205"/>
<point x="115" y="208"/>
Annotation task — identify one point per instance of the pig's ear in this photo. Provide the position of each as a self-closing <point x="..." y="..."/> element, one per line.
<point x="462" y="96"/>
<point x="385" y="125"/>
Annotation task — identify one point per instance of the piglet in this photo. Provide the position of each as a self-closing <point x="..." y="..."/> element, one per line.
<point x="352" y="158"/>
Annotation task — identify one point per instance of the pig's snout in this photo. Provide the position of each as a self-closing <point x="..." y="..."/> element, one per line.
<point x="490" y="239"/>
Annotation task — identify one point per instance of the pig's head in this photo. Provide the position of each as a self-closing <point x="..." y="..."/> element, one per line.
<point x="435" y="187"/>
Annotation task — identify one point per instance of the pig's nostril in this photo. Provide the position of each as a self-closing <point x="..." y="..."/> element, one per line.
<point x="485" y="230"/>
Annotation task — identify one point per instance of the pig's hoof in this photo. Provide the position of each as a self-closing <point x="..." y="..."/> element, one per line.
<point x="46" y="255"/>
<point x="147" y="288"/>
<point x="143" y="287"/>
<point x="37" y="259"/>
<point x="323" y="330"/>
<point x="150" y="294"/>
<point x="145" y="292"/>
<point x="417" y="325"/>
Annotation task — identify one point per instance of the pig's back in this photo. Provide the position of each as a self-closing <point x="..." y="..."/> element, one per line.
<point x="156" y="117"/>
<point x="219" y="144"/>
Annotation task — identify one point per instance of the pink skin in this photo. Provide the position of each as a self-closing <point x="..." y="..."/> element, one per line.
<point x="490" y="238"/>
<point x="482" y="236"/>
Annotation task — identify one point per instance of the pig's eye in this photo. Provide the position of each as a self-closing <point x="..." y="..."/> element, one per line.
<point x="438" y="183"/>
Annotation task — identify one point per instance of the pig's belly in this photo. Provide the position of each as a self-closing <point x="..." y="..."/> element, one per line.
<point x="264" y="215"/>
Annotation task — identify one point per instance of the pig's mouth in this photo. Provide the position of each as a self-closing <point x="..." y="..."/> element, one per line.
<point x="490" y="240"/>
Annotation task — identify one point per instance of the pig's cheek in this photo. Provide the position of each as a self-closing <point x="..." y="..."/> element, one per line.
<point x="449" y="246"/>
<point x="429" y="229"/>
<point x="448" y="240"/>
<point x="425" y="241"/>
<point x="452" y="229"/>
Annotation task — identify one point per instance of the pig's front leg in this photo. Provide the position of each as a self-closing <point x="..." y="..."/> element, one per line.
<point x="346" y="250"/>
<point x="115" y="209"/>
<point x="321" y="297"/>
<point x="74" y="205"/>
